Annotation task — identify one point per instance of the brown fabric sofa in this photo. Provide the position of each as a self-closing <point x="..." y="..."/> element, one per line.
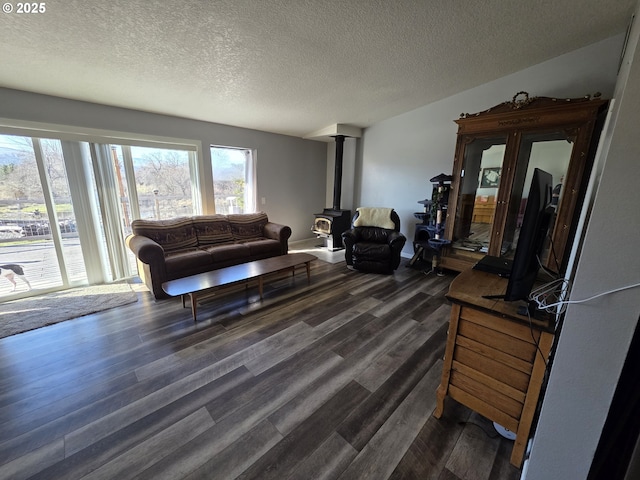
<point x="170" y="249"/>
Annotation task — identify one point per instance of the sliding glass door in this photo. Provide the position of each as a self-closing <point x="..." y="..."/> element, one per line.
<point x="39" y="245"/>
<point x="66" y="207"/>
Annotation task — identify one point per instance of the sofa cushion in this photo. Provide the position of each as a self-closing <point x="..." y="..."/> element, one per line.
<point x="373" y="235"/>
<point x="222" y="253"/>
<point x="248" y="226"/>
<point x="364" y="251"/>
<point x="173" y="235"/>
<point x="212" y="229"/>
<point x="264" y="248"/>
<point x="186" y="261"/>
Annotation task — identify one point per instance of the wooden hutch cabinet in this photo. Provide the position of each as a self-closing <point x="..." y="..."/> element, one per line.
<point x="496" y="153"/>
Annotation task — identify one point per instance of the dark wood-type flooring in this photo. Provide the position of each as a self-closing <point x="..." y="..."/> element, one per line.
<point x="335" y="379"/>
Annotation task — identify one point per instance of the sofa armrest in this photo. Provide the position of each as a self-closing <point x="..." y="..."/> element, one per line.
<point x="349" y="239"/>
<point x="396" y="242"/>
<point x="278" y="232"/>
<point x="350" y="236"/>
<point x="397" y="239"/>
<point x="145" y="249"/>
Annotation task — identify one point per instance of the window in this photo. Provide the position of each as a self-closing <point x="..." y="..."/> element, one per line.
<point x="151" y="183"/>
<point x="233" y="180"/>
<point x="67" y="199"/>
<point x="66" y="204"/>
<point x="37" y="219"/>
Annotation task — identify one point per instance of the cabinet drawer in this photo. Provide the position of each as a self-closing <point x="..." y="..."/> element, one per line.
<point x="482" y="392"/>
<point x="501" y="325"/>
<point x="490" y="382"/>
<point x="513" y="347"/>
<point x="492" y="368"/>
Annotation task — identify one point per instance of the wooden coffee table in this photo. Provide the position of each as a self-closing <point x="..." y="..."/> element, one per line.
<point x="197" y="284"/>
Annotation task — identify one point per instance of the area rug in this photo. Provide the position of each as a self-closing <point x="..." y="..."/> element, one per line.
<point x="30" y="313"/>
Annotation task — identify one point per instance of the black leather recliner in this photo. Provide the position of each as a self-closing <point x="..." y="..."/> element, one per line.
<point x="374" y="249"/>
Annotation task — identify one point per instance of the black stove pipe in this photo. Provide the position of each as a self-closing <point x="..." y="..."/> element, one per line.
<point x="337" y="176"/>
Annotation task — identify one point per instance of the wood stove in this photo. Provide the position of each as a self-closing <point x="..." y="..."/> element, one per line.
<point x="332" y="222"/>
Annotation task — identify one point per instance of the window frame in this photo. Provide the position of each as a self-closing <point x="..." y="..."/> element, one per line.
<point x="96" y="268"/>
<point x="251" y="189"/>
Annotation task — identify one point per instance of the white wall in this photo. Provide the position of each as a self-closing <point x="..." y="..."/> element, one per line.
<point x="596" y="335"/>
<point x="290" y="170"/>
<point x="399" y="155"/>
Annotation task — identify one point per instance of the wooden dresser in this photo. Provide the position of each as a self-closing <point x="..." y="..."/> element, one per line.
<point x="494" y="359"/>
<point x="484" y="211"/>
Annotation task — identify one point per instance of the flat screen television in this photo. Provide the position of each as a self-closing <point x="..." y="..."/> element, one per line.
<point x="533" y="232"/>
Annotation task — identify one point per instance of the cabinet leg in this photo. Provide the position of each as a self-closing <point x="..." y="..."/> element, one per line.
<point x="441" y="392"/>
<point x="443" y="389"/>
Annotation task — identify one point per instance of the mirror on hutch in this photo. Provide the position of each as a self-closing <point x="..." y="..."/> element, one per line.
<point x="496" y="153"/>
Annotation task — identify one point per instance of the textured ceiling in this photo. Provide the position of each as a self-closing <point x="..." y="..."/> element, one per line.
<point x="288" y="66"/>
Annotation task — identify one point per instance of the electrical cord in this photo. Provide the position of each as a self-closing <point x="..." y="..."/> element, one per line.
<point x="559" y="289"/>
<point x="546" y="270"/>
<point x="536" y="342"/>
<point x="551" y="294"/>
<point x="551" y="273"/>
